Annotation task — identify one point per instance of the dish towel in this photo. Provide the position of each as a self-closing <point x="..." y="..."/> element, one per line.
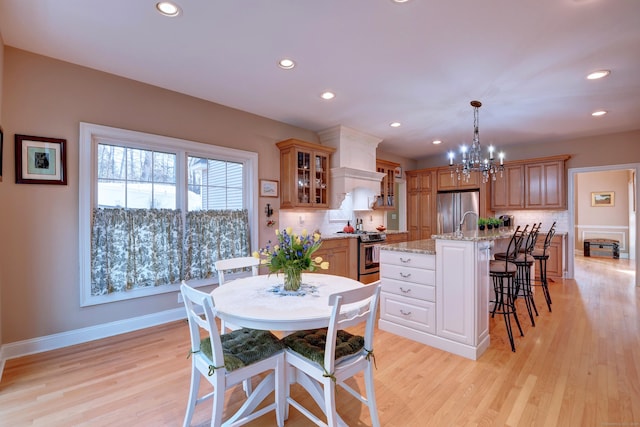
<point x="375" y="255"/>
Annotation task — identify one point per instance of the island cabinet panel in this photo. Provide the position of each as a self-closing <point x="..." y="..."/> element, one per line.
<point x="438" y="297"/>
<point x="462" y="291"/>
<point x="407" y="298"/>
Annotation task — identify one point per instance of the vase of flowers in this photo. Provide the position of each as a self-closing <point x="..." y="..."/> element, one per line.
<point x="292" y="255"/>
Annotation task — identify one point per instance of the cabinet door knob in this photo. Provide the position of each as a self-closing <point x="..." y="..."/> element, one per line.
<point x="405" y="291"/>
<point x="405" y="313"/>
<point x="405" y="276"/>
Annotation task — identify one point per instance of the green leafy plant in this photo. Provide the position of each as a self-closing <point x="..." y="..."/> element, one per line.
<point x="482" y="222"/>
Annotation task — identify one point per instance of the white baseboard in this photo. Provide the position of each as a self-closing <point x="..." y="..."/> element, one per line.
<point x="79" y="336"/>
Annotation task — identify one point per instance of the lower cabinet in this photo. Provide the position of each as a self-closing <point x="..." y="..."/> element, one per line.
<point x="440" y="300"/>
<point x="408" y="292"/>
<point x="555" y="263"/>
<point x="342" y="257"/>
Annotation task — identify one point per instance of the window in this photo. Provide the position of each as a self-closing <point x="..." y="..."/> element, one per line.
<point x="152" y="198"/>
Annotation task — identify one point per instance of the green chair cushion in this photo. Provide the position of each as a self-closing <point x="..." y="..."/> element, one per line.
<point x="243" y="347"/>
<point x="311" y="344"/>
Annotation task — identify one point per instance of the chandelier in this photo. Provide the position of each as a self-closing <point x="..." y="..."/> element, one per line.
<point x="472" y="160"/>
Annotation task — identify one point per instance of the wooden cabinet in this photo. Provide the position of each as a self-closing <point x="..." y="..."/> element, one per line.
<point x="507" y="191"/>
<point x="387" y="198"/>
<point x="304" y="174"/>
<point x="449" y="182"/>
<point x="420" y="204"/>
<point x="555" y="263"/>
<point x="397" y="237"/>
<point x="545" y="185"/>
<point x="531" y="184"/>
<point x="342" y="256"/>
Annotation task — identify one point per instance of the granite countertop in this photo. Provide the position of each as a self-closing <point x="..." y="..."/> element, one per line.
<point x="426" y="246"/>
<point x="477" y="235"/>
<point x="336" y="235"/>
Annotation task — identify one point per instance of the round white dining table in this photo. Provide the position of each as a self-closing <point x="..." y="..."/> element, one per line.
<point x="258" y="302"/>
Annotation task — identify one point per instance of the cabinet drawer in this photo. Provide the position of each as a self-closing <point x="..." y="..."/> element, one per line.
<point x="403" y="311"/>
<point x="408" y="274"/>
<point x="409" y="290"/>
<point x="408" y="259"/>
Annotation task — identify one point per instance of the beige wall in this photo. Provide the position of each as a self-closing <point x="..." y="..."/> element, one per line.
<point x="39" y="223"/>
<point x="39" y="290"/>
<point x="602" y="222"/>
<point x="603" y="150"/>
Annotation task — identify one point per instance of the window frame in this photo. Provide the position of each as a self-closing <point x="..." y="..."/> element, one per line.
<point x="89" y="138"/>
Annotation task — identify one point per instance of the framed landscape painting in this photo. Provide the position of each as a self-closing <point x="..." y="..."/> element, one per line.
<point x="41" y="160"/>
<point x="602" y="198"/>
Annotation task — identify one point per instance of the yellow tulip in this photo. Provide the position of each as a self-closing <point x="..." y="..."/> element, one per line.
<point x="256" y="254"/>
<point x="325" y="265"/>
<point x="316" y="237"/>
<point x="277" y="232"/>
<point x="304" y="232"/>
<point x="289" y="230"/>
<point x="318" y="260"/>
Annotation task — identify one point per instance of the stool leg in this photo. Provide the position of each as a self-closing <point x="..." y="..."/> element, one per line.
<point x="512" y="303"/>
<point x="543" y="282"/>
<point x="524" y="288"/>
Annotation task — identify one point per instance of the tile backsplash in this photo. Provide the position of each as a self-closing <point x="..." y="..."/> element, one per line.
<point x="524" y="217"/>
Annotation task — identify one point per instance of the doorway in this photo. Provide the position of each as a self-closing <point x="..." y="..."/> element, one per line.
<point x="632" y="195"/>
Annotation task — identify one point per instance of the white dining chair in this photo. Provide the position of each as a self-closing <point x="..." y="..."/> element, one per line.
<point x="325" y="357"/>
<point x="230" y="264"/>
<point x="229" y="359"/>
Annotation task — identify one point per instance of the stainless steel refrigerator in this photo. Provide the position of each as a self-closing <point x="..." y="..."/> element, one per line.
<point x="452" y="205"/>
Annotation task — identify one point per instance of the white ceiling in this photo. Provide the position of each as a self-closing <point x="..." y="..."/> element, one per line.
<point x="419" y="63"/>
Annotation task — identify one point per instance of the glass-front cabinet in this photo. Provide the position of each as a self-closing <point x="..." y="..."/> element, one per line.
<point x="304" y="174"/>
<point x="387" y="198"/>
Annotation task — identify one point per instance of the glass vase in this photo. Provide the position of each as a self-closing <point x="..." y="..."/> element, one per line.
<point x="292" y="278"/>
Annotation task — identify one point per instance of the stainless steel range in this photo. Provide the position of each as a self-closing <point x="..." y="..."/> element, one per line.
<point x="368" y="255"/>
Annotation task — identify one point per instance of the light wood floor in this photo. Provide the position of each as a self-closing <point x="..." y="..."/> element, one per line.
<point x="580" y="366"/>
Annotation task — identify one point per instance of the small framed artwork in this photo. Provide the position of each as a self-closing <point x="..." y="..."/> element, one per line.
<point x="602" y="198"/>
<point x="397" y="173"/>
<point x="41" y="160"/>
<point x="268" y="188"/>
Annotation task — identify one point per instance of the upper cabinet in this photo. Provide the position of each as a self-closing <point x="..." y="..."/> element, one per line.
<point x="304" y="174"/>
<point x="421" y="207"/>
<point x="448" y="181"/>
<point x="508" y="189"/>
<point x="387" y="198"/>
<point x="531" y="184"/>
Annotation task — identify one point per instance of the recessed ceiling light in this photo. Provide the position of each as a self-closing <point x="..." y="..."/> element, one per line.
<point x="436" y="142"/>
<point x="599" y="113"/>
<point x="395" y="124"/>
<point x="598" y="74"/>
<point x="286" y="64"/>
<point x="400" y="1"/>
<point x="328" y="95"/>
<point x="168" y="8"/>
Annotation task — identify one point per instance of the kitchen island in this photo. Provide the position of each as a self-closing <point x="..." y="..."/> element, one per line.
<point x="436" y="291"/>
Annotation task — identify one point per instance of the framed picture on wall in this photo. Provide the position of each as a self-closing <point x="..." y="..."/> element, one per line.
<point x="41" y="160"/>
<point x="268" y="188"/>
<point x="602" y="198"/>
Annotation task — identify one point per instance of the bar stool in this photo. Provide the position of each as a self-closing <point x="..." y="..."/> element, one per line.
<point x="542" y="255"/>
<point x="503" y="272"/>
<point x="524" y="261"/>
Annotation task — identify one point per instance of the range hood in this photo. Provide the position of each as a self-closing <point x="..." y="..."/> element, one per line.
<point x="353" y="167"/>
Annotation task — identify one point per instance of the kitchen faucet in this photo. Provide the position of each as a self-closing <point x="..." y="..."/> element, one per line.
<point x="463" y="218"/>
